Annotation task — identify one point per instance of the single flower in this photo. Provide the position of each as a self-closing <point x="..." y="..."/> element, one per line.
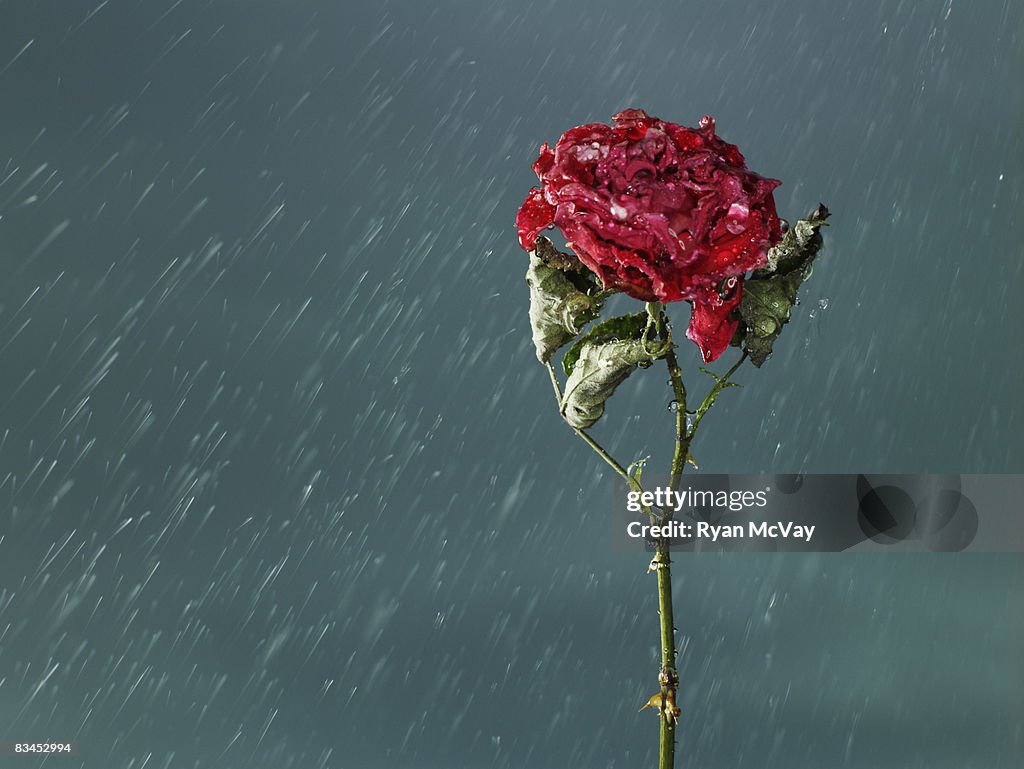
<point x="660" y="212"/>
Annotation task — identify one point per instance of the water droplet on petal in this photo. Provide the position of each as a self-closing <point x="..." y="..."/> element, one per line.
<point x="736" y="218"/>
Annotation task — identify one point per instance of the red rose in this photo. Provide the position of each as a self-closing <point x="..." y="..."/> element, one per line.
<point x="660" y="212"/>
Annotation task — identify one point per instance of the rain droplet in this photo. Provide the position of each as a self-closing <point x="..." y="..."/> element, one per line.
<point x="736" y="218"/>
<point x="673" y="406"/>
<point x="823" y="304"/>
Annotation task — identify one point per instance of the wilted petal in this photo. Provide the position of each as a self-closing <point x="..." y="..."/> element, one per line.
<point x="712" y="325"/>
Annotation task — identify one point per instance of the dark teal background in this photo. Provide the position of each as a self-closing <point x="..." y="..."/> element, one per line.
<point x="282" y="484"/>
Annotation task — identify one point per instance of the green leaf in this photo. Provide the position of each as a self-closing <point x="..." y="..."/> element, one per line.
<point x="600" y="368"/>
<point x="558" y="308"/>
<point x="799" y="245"/>
<point x="636" y="469"/>
<point x="770" y="293"/>
<point x="620" y="327"/>
<point x="718" y="379"/>
<point x="712" y="396"/>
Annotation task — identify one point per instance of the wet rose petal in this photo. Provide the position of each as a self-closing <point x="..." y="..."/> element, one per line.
<point x="534" y="215"/>
<point x="713" y="322"/>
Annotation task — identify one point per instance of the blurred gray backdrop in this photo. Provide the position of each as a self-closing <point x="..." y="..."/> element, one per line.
<point x="282" y="485"/>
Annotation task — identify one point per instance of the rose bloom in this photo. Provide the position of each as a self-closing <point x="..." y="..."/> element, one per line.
<point x="660" y="212"/>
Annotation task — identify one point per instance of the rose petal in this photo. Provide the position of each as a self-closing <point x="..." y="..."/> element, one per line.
<point x="544" y="161"/>
<point x="712" y="326"/>
<point x="534" y="215"/>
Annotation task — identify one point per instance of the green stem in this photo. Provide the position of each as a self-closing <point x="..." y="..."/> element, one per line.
<point x="709" y="399"/>
<point x="607" y="457"/>
<point x="682" y="439"/>
<point x="590" y="441"/>
<point x="668" y="678"/>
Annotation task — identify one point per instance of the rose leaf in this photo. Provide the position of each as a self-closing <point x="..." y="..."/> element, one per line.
<point x="770" y="294"/>
<point x="600" y="368"/>
<point x="620" y="327"/>
<point x="558" y="309"/>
